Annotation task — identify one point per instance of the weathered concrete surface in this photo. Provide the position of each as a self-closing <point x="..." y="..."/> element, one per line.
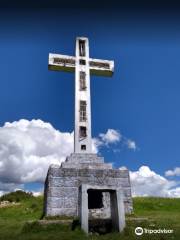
<point x="62" y="184"/>
<point x="116" y="206"/>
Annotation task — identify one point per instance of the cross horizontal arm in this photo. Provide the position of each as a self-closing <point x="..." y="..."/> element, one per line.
<point x="61" y="62"/>
<point x="67" y="63"/>
<point x="101" y="67"/>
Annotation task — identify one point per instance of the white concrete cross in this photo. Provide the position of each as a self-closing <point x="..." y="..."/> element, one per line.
<point x="83" y="66"/>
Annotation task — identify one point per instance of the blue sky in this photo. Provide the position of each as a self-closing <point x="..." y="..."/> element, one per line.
<point x="141" y="100"/>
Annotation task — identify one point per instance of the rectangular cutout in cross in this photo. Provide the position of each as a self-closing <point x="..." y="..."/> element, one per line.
<point x="82" y="132"/>
<point x="99" y="64"/>
<point x="64" y="61"/>
<point x="82" y="62"/>
<point x="83" y="147"/>
<point x="82" y="51"/>
<point x="82" y="79"/>
<point x="83" y="111"/>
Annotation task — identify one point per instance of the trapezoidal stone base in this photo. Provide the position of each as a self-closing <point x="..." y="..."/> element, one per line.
<point x="62" y="185"/>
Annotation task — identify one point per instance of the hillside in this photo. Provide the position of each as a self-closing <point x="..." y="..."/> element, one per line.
<point x="150" y="213"/>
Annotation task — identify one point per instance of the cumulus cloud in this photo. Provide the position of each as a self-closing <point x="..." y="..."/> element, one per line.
<point x="174" y="172"/>
<point x="146" y="182"/>
<point x="175" y="192"/>
<point x="131" y="144"/>
<point x="27" y="148"/>
<point x="2" y="193"/>
<point x="111" y="136"/>
<point x="37" y="194"/>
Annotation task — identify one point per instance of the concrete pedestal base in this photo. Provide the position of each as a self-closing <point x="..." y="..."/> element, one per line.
<point x="63" y="182"/>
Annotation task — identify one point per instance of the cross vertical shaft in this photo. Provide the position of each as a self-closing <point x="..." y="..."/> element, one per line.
<point x="82" y="130"/>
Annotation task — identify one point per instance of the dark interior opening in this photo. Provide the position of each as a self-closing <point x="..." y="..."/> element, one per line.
<point x="83" y="147"/>
<point x="82" y="132"/>
<point x="82" y="62"/>
<point x="82" y="48"/>
<point x="95" y="199"/>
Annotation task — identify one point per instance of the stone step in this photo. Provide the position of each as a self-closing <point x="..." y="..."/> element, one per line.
<point x="85" y="159"/>
<point x="70" y="160"/>
<point x="84" y="154"/>
<point x="87" y="165"/>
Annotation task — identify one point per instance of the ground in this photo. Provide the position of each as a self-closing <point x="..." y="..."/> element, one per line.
<point x="152" y="213"/>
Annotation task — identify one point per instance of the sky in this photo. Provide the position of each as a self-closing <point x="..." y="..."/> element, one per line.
<point x="135" y="113"/>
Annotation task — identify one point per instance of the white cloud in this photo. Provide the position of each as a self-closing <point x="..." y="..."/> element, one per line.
<point x="146" y="182"/>
<point x="27" y="148"/>
<point x="175" y="172"/>
<point x="37" y="194"/>
<point x="175" y="192"/>
<point x="111" y="136"/>
<point x="131" y="144"/>
<point x="2" y="193"/>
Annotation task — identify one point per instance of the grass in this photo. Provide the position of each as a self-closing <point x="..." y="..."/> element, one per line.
<point x="157" y="213"/>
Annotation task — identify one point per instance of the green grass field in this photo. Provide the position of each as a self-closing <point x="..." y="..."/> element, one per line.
<point x="155" y="213"/>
